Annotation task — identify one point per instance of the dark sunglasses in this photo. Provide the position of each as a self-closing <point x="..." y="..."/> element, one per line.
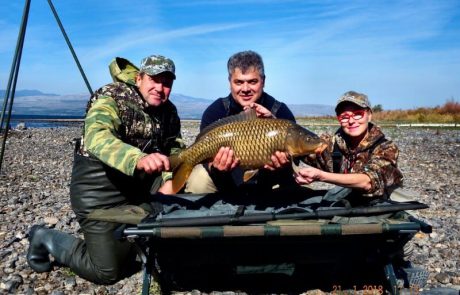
<point x="356" y="115"/>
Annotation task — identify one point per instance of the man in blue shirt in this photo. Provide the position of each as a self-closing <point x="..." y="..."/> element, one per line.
<point x="247" y="80"/>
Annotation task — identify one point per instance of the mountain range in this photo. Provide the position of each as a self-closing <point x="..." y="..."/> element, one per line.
<point x="37" y="103"/>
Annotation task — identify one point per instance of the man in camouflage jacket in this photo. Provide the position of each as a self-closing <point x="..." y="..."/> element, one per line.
<point x="358" y="156"/>
<point x="130" y="130"/>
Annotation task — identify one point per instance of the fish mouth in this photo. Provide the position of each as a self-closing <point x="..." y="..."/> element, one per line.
<point x="320" y="149"/>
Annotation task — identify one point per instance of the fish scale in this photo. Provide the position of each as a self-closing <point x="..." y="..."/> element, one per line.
<point x="252" y="139"/>
<point x="253" y="142"/>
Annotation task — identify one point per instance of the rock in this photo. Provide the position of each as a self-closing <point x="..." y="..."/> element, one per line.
<point x="440" y="291"/>
<point x="456" y="280"/>
<point x="34" y="188"/>
<point x="443" y="278"/>
<point x="21" y="126"/>
<point x="51" y="220"/>
<point x="12" y="283"/>
<point x="69" y="283"/>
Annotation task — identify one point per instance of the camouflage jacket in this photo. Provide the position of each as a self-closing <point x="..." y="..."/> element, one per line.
<point x="120" y="127"/>
<point x="375" y="156"/>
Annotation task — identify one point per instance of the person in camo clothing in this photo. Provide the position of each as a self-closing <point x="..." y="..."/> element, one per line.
<point x="358" y="155"/>
<point x="130" y="130"/>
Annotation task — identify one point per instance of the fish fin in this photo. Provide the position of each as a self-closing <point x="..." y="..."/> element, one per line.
<point x="242" y="116"/>
<point x="248" y="174"/>
<point x="180" y="176"/>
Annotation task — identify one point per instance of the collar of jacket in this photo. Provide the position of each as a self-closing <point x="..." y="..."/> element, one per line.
<point x="374" y="135"/>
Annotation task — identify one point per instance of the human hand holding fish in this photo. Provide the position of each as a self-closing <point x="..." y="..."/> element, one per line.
<point x="306" y="174"/>
<point x="153" y="163"/>
<point x="278" y="160"/>
<point x="225" y="159"/>
<point x="261" y="111"/>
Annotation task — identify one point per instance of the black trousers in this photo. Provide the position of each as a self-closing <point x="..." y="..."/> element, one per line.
<point x="100" y="257"/>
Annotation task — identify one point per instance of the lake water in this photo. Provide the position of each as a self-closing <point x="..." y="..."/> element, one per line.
<point x="44" y="121"/>
<point x="44" y="124"/>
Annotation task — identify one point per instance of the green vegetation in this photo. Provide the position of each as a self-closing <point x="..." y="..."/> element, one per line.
<point x="377" y="108"/>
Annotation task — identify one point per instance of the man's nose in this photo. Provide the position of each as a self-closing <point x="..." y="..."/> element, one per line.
<point x="245" y="87"/>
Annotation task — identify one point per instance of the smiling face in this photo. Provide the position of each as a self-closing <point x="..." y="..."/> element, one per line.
<point x="246" y="87"/>
<point x="354" y="121"/>
<point x="155" y="89"/>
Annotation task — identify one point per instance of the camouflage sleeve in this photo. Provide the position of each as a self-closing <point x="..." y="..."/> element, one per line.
<point x="382" y="168"/>
<point x="101" y="137"/>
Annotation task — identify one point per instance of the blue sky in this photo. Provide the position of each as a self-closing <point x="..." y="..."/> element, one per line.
<point x="403" y="54"/>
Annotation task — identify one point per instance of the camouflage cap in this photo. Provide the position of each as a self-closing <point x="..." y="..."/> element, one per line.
<point x="157" y="64"/>
<point x="354" y="97"/>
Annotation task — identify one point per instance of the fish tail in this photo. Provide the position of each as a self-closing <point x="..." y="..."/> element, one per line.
<point x="181" y="172"/>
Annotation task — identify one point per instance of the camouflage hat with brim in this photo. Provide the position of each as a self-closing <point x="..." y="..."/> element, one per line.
<point x="157" y="64"/>
<point x="355" y="98"/>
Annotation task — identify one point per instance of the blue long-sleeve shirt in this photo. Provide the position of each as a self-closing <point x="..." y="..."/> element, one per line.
<point x="217" y="110"/>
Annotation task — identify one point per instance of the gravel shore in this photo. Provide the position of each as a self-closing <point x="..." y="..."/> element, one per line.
<point x="34" y="188"/>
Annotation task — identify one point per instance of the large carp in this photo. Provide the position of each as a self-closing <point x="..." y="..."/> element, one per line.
<point x="252" y="139"/>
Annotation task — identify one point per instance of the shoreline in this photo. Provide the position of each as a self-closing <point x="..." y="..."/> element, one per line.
<point x="304" y="123"/>
<point x="300" y="120"/>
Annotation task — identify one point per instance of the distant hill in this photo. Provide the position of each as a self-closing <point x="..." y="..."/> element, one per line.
<point x="189" y="107"/>
<point x="50" y="105"/>
<point x="37" y="103"/>
<point x="312" y="110"/>
<point x="26" y="92"/>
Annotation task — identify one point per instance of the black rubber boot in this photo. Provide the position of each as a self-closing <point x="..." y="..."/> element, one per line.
<point x="43" y="242"/>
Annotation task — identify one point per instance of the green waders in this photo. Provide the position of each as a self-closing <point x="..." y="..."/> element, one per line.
<point x="100" y="257"/>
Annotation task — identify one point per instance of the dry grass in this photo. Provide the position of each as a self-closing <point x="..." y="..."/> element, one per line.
<point x="447" y="113"/>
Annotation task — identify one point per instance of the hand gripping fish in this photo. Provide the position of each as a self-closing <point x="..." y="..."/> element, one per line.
<point x="252" y="139"/>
